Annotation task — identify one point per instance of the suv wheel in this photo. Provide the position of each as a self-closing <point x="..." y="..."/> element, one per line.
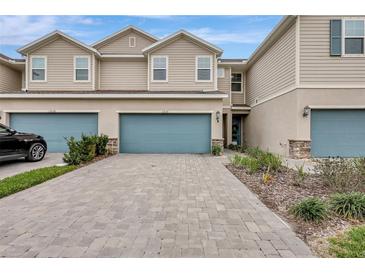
<point x="36" y="152"/>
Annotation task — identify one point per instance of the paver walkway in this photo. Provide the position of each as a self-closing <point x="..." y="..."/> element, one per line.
<point x="144" y="206"/>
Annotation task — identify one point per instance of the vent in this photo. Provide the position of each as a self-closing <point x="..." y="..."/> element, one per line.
<point x="132" y="42"/>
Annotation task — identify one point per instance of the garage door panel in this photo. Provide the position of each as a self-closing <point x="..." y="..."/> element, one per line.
<point x="338" y="133"/>
<point x="55" y="127"/>
<point x="165" y="133"/>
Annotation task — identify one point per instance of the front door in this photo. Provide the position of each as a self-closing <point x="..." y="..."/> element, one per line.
<point x="236" y="130"/>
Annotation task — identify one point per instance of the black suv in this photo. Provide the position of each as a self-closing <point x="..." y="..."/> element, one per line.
<point x="14" y="145"/>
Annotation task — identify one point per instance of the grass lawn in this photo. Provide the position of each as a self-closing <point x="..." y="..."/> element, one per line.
<point x="31" y="178"/>
<point x="351" y="244"/>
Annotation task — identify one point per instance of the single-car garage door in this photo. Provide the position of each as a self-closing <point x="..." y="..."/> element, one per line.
<point x="338" y="133"/>
<point x="165" y="133"/>
<point x="54" y="127"/>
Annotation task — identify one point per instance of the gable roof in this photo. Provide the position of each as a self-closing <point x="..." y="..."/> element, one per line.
<point x="120" y="32"/>
<point x="49" y="37"/>
<point x="182" y="33"/>
<point x="271" y="38"/>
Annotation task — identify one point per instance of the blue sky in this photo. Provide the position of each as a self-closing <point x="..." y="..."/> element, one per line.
<point x="238" y="36"/>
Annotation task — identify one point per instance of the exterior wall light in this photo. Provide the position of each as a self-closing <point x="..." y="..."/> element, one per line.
<point x="218" y="116"/>
<point x="306" y="111"/>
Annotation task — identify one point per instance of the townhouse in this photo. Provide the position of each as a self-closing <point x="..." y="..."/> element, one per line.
<point x="300" y="94"/>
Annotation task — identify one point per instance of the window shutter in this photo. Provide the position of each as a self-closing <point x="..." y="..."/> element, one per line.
<point x="335" y="39"/>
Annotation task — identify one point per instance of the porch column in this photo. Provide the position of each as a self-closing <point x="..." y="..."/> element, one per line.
<point x="229" y="128"/>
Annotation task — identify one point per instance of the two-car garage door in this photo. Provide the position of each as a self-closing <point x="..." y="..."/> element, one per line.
<point x="338" y="133"/>
<point x="54" y="127"/>
<point x="165" y="133"/>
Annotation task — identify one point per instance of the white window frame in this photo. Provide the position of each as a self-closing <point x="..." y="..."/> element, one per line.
<point x="224" y="72"/>
<point x="233" y="72"/>
<point x="45" y="68"/>
<point x="196" y="68"/>
<point x="88" y="68"/>
<point x="166" y="68"/>
<point x="132" y="38"/>
<point x="343" y="44"/>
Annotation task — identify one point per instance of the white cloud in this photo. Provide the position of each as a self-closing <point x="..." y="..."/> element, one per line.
<point x="20" y="30"/>
<point x="243" y="37"/>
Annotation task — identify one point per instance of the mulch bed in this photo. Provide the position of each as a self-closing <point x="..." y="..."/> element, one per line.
<point x="96" y="159"/>
<point x="282" y="192"/>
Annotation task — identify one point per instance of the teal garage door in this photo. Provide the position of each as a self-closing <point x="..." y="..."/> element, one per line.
<point x="338" y="133"/>
<point x="54" y="127"/>
<point x="165" y="133"/>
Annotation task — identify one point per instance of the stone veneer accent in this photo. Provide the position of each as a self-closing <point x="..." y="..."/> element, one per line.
<point x="299" y="149"/>
<point x="218" y="142"/>
<point x="113" y="146"/>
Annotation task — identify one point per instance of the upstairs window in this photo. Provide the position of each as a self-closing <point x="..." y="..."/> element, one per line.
<point x="203" y="68"/>
<point x="159" y="68"/>
<point x="39" y="64"/>
<point x="354" y="37"/>
<point x="132" y="42"/>
<point x="236" y="82"/>
<point x="82" y="68"/>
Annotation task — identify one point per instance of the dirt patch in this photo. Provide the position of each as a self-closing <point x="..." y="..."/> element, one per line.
<point x="282" y="192"/>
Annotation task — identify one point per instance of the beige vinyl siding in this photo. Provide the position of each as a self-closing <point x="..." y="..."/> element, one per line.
<point x="275" y="70"/>
<point x="238" y="98"/>
<point x="181" y="66"/>
<point x="224" y="85"/>
<point x="10" y="79"/>
<point x="120" y="44"/>
<point x="123" y="75"/>
<point x="60" y="67"/>
<point x="316" y="65"/>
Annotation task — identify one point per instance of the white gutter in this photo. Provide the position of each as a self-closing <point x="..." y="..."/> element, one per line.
<point x="112" y="96"/>
<point x="336" y="106"/>
<point x="232" y="63"/>
<point x="13" y="62"/>
<point x="123" y="56"/>
<point x="240" y="108"/>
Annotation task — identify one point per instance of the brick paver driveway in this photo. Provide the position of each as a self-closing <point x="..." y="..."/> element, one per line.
<point x="144" y="206"/>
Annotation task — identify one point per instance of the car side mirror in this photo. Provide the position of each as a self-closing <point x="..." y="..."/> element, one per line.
<point x="11" y="131"/>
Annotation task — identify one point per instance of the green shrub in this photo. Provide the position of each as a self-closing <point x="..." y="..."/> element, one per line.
<point x="255" y="152"/>
<point x="240" y="148"/>
<point x="340" y="174"/>
<point x="349" y="205"/>
<point x="271" y="161"/>
<point x="236" y="160"/>
<point x="351" y="244"/>
<point x="267" y="160"/>
<point x="85" y="149"/>
<point x="216" y="150"/>
<point x="251" y="164"/>
<point x="73" y="156"/>
<point x="101" y="144"/>
<point x="233" y="147"/>
<point x="310" y="209"/>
